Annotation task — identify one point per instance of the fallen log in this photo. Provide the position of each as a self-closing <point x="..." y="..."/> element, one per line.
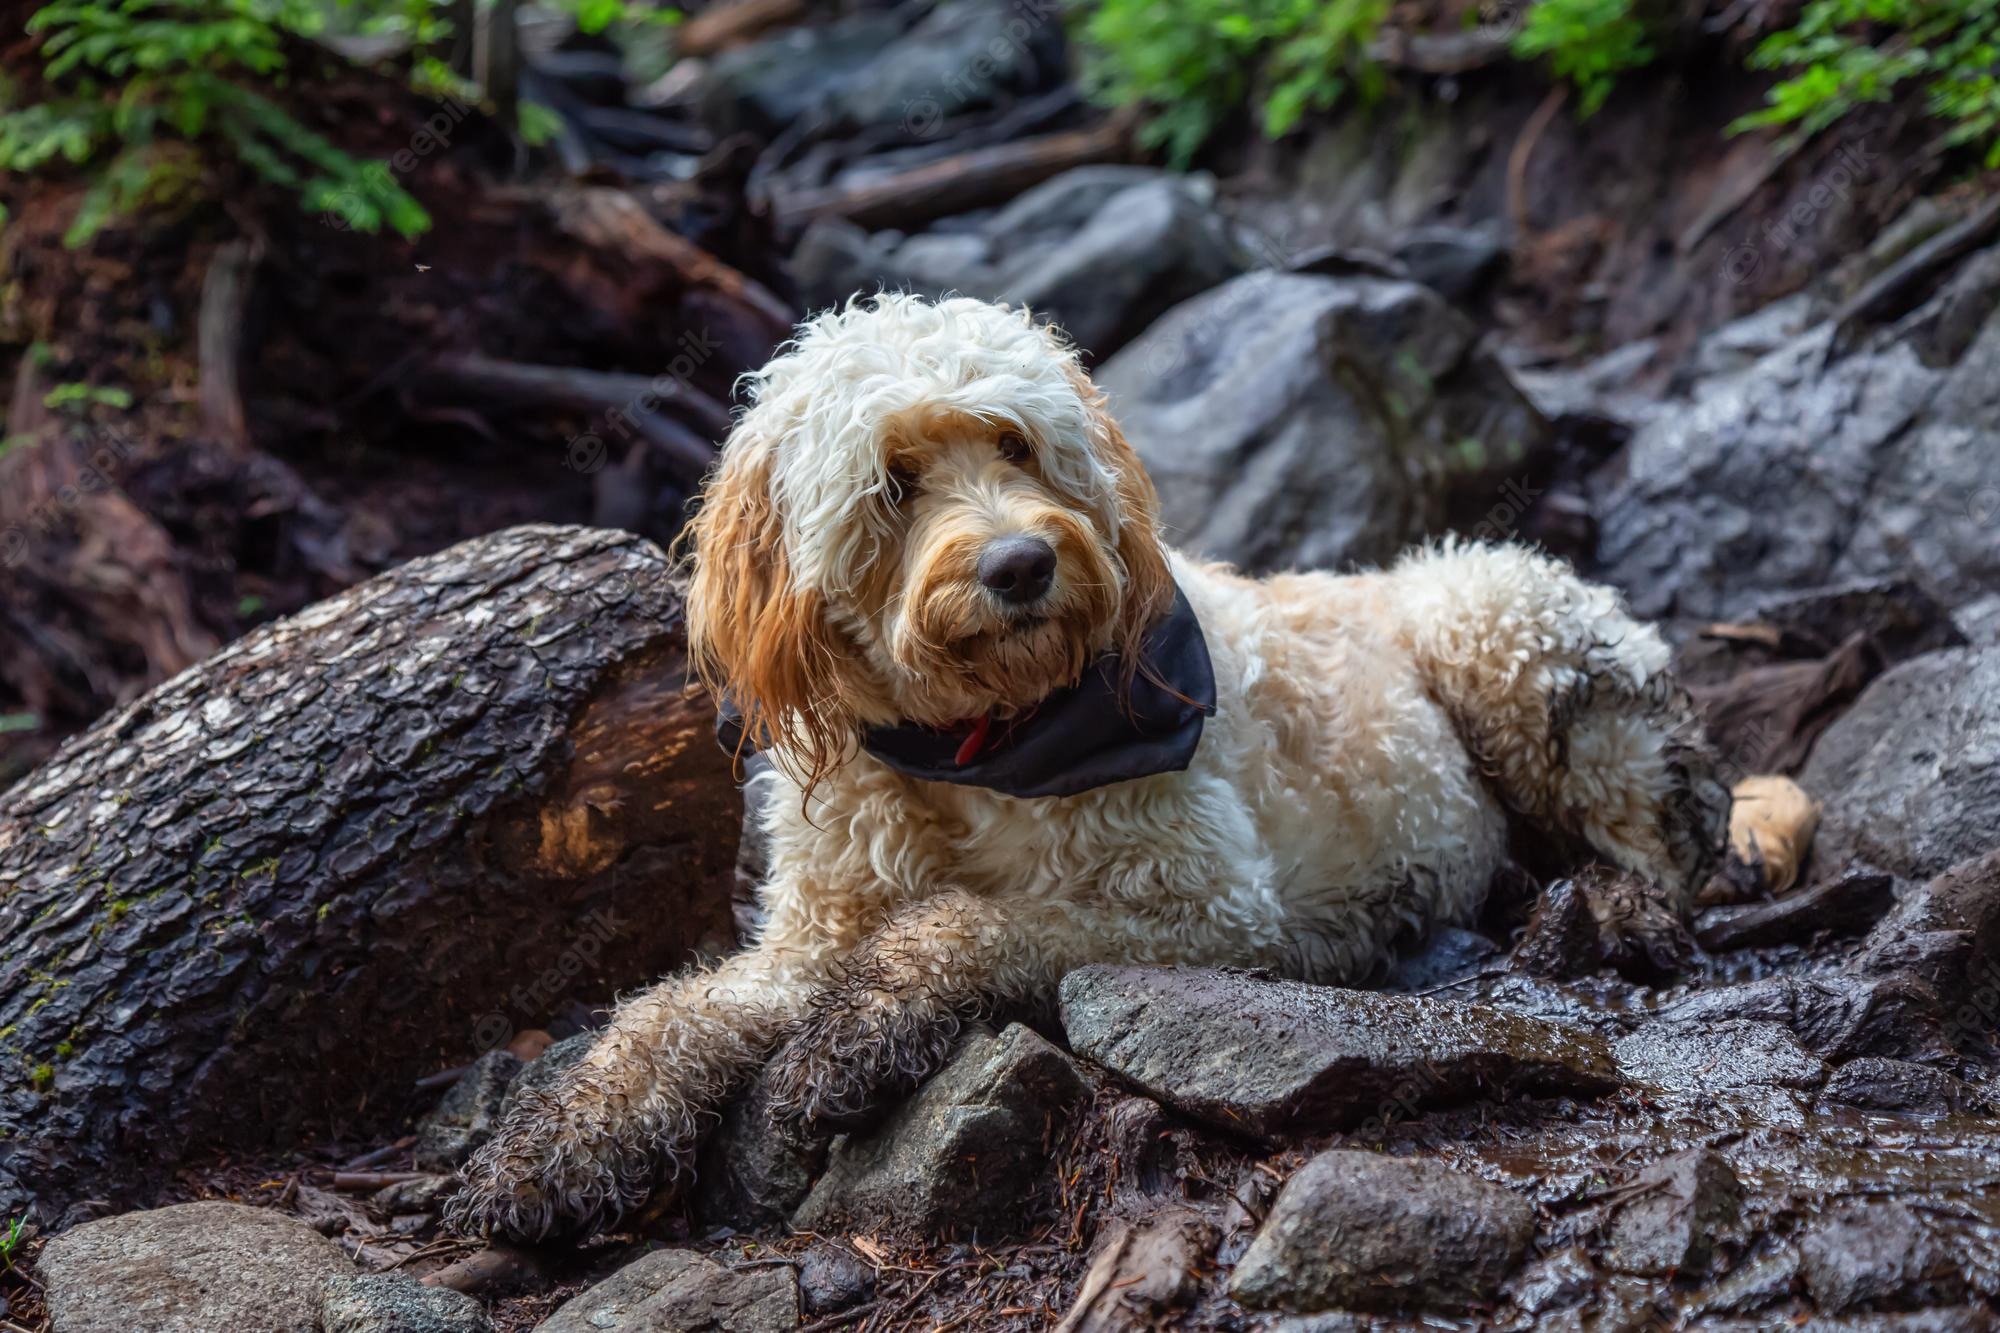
<point x="967" y="181"/>
<point x="350" y="848"/>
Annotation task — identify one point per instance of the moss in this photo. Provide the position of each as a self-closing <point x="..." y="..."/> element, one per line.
<point x="65" y="1049"/>
<point x="42" y="1077"/>
<point x="116" y="912"/>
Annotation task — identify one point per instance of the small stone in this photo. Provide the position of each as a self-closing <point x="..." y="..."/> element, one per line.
<point x="752" y="1175"/>
<point x="679" y="1289"/>
<point x="397" y="1303"/>
<point x="1669" y="1223"/>
<point x="191" y="1268"/>
<point x="1360" y="1231"/>
<point x="1878" y="1254"/>
<point x="1727" y="1053"/>
<point x="1876" y="1084"/>
<point x="1270" y="1058"/>
<point x="412" y="1196"/>
<point x="961" y="1155"/>
<point x="1844" y="906"/>
<point x="1837" y="1018"/>
<point x="832" y="1278"/>
<point x="541" y="1073"/>
<point x="1450" y="954"/>
<point x="468" y="1114"/>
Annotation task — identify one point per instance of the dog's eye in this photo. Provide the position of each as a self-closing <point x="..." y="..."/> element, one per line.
<point x="1013" y="448"/>
<point x="903" y="483"/>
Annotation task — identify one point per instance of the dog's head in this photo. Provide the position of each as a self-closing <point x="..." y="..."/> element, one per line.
<point x="925" y="515"/>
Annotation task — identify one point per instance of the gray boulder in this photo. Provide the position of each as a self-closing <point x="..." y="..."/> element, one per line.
<point x="679" y="1289"/>
<point x="1300" y="420"/>
<point x="468" y="1114"/>
<point x="1668" y="1223"/>
<point x="866" y="71"/>
<point x="397" y="1303"/>
<point x="1721" y="1053"/>
<point x="961" y="1155"/>
<point x="191" y="1268"/>
<point x="1910" y="776"/>
<point x="1837" y="1018"/>
<point x="1360" y="1231"/>
<point x="1877" y="1084"/>
<point x="752" y="1174"/>
<point x="1100" y="251"/>
<point x="1880" y="1255"/>
<point x="1275" y="1057"/>
<point x="1813" y="465"/>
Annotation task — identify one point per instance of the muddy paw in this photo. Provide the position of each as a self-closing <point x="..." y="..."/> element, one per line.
<point x="845" y="1065"/>
<point x="552" y="1171"/>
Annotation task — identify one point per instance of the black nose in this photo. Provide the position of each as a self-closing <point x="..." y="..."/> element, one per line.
<point x="1018" y="569"/>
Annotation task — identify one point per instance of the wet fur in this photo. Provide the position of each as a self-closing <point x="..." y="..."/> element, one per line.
<point x="1353" y="791"/>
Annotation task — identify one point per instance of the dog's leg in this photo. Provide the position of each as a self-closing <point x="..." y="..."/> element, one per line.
<point x="891" y="1013"/>
<point x="1570" y="706"/>
<point x="626" y="1116"/>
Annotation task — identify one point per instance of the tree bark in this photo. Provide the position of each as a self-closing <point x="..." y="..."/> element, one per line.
<point x="348" y="849"/>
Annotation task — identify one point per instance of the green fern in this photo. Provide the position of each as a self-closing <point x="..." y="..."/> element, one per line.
<point x="1588" y="43"/>
<point x="141" y="82"/>
<point x="1191" y="64"/>
<point x="1848" y="53"/>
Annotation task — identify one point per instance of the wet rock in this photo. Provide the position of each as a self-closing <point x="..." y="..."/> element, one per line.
<point x="1955" y="1319"/>
<point x="1848" y="905"/>
<point x="468" y="1114"/>
<point x="1560" y="1281"/>
<point x="1807" y="468"/>
<point x="1763" y="1278"/>
<point x="1878" y="1254"/>
<point x="1910" y="775"/>
<point x="413" y="1196"/>
<point x="1723" y="1053"/>
<point x="1670" y="1221"/>
<point x="191" y="1268"/>
<point x="865" y="72"/>
<point x="766" y="85"/>
<point x="541" y="1073"/>
<point x="1357" y="1230"/>
<point x="1837" y="1018"/>
<point x="1875" y="1084"/>
<point x="832" y="1279"/>
<point x="1459" y="263"/>
<point x="679" y="1289"/>
<point x="1297" y="420"/>
<point x="1267" y="1057"/>
<point x="1561" y="939"/>
<point x="1450" y="954"/>
<point x="397" y="1303"/>
<point x="1947" y="932"/>
<point x="961" y="1154"/>
<point x="1101" y="251"/>
<point x="752" y="1175"/>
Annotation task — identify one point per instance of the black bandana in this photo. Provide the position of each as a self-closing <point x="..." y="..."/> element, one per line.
<point x="1078" y="738"/>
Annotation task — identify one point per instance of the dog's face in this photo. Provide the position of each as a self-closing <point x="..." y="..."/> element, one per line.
<point x="926" y="516"/>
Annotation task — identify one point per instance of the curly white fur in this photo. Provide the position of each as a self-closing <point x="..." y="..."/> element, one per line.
<point x="1350" y="793"/>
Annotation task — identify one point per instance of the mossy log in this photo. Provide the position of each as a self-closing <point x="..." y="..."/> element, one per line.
<point x="347" y="850"/>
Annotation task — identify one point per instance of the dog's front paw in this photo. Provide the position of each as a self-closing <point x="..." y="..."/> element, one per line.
<point x="852" y="1058"/>
<point x="555" y="1169"/>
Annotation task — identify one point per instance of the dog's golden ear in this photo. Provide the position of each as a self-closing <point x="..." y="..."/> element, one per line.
<point x="1149" y="585"/>
<point x="754" y="634"/>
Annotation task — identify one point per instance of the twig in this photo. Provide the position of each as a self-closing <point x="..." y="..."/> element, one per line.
<point x="1517" y="161"/>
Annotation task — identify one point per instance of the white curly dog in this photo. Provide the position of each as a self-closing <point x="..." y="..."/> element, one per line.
<point x="1014" y="732"/>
